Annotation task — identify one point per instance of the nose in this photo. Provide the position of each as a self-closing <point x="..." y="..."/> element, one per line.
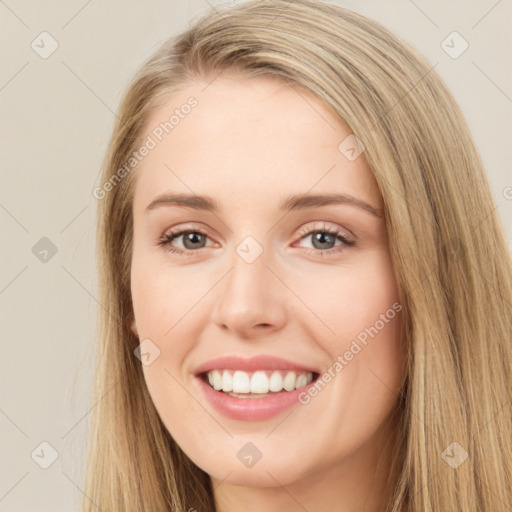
<point x="251" y="300"/>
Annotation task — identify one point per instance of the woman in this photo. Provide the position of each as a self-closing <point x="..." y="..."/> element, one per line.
<point x="266" y="368"/>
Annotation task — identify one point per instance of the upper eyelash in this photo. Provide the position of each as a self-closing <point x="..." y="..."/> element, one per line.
<point x="167" y="238"/>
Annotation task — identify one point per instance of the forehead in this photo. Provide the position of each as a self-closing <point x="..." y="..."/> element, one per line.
<point x="248" y="138"/>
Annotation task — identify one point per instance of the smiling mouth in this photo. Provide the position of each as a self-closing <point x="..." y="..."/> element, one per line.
<point x="257" y="384"/>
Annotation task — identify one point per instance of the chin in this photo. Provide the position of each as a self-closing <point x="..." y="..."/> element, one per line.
<point x="262" y="474"/>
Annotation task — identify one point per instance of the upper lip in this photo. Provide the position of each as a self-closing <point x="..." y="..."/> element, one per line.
<point x="260" y="362"/>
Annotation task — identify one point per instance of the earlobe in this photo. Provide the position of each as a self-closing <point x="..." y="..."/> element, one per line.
<point x="133" y="328"/>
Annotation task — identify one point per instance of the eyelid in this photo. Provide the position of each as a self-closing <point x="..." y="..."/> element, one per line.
<point x="327" y="226"/>
<point x="200" y="228"/>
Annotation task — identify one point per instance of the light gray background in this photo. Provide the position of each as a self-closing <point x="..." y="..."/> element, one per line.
<point x="56" y="117"/>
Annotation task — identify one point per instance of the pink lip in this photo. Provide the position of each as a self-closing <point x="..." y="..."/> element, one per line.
<point x="250" y="409"/>
<point x="262" y="362"/>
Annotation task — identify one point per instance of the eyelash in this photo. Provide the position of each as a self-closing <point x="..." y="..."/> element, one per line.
<point x="167" y="238"/>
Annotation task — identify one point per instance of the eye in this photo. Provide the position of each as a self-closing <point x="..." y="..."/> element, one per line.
<point x="324" y="240"/>
<point x="193" y="241"/>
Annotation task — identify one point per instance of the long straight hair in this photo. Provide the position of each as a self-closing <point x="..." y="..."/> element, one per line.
<point x="448" y="249"/>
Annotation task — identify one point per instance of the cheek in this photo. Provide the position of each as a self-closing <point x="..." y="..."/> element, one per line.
<point x="161" y="298"/>
<point x="168" y="314"/>
<point x="365" y="303"/>
<point x="365" y="338"/>
<point x="162" y="303"/>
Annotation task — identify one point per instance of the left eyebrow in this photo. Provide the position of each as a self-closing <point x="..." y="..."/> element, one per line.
<point x="296" y="202"/>
<point x="300" y="202"/>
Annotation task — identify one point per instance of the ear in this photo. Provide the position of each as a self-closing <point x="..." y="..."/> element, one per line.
<point x="133" y="327"/>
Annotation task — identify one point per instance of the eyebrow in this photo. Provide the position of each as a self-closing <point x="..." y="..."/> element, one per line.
<point x="295" y="202"/>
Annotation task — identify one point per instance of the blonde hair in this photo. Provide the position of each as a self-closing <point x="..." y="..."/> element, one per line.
<point x="448" y="248"/>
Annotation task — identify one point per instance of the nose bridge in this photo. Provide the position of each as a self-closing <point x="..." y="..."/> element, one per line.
<point x="250" y="295"/>
<point x="250" y="274"/>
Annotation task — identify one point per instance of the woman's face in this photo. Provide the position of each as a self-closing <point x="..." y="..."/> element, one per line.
<point x="272" y="265"/>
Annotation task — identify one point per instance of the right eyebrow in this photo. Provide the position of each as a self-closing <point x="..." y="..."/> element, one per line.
<point x="186" y="200"/>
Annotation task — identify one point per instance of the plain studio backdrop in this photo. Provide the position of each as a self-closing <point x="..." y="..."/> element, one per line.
<point x="64" y="68"/>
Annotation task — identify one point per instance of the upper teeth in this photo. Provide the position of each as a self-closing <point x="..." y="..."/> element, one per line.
<point x="261" y="381"/>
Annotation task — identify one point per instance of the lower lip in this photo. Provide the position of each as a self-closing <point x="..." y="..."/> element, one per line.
<point x="251" y="409"/>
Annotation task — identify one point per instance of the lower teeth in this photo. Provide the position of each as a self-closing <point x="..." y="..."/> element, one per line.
<point x="248" y="395"/>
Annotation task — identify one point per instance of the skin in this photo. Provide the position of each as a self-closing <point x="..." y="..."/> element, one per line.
<point x="250" y="143"/>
